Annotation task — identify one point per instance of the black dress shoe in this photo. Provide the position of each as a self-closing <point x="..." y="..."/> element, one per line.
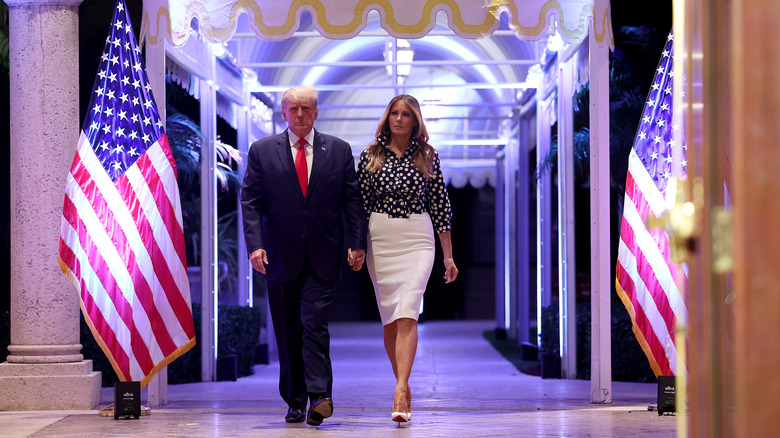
<point x="295" y="416"/>
<point x="319" y="409"/>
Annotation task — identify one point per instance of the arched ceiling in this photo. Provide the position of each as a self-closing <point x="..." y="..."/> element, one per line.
<point x="471" y="57"/>
<point x="467" y="87"/>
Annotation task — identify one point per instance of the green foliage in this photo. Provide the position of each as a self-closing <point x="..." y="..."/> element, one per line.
<point x="186" y="140"/>
<point x="629" y="363"/>
<point x="550" y="340"/>
<point x="227" y="230"/>
<point x="634" y="56"/>
<point x="239" y="334"/>
<point x="549" y="163"/>
<point x="5" y="59"/>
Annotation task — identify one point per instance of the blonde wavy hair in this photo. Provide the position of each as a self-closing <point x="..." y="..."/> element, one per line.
<point x="423" y="156"/>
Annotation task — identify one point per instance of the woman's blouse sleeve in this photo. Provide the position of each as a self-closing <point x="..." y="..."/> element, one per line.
<point x="438" y="201"/>
<point x="365" y="179"/>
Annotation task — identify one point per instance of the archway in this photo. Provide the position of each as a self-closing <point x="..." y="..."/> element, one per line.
<point x="281" y="24"/>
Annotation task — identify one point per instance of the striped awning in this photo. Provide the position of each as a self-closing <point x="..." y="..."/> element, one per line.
<point x="276" y="20"/>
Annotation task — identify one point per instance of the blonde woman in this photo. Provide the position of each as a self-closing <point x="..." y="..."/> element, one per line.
<point x="405" y="197"/>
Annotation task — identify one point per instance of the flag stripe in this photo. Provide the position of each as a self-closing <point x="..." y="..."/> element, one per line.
<point x="122" y="250"/>
<point x="151" y="257"/>
<point x="98" y="306"/>
<point x="656" y="275"/>
<point x="639" y="322"/>
<point x="639" y="183"/>
<point x="650" y="286"/>
<point x="166" y="168"/>
<point x="165" y="255"/>
<point x="100" y="277"/>
<point x="70" y="214"/>
<point x="651" y="320"/>
<point x="162" y="160"/>
<point x="646" y="278"/>
<point x="636" y="264"/>
<point x="116" y="352"/>
<point x="121" y="238"/>
<point x="653" y="247"/>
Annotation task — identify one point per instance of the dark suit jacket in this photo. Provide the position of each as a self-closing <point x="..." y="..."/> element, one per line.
<point x="278" y="219"/>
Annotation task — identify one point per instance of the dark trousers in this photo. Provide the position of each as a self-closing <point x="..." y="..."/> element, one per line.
<point x="299" y="310"/>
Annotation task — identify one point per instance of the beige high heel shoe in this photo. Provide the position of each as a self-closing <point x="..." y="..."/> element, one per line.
<point x="400" y="416"/>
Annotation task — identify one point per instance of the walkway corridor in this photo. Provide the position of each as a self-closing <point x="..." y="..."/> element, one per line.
<point x="461" y="387"/>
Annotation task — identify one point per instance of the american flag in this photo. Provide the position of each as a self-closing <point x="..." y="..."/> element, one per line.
<point x="646" y="275"/>
<point x="121" y="241"/>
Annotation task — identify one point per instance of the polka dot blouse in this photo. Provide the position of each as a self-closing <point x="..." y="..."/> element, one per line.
<point x="400" y="189"/>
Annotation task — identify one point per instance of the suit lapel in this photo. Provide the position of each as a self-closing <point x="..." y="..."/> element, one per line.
<point x="286" y="160"/>
<point x="321" y="150"/>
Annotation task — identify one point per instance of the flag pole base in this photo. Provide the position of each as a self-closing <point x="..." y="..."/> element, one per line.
<point x="108" y="411"/>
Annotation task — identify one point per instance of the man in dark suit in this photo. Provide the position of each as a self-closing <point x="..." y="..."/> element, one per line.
<point x="299" y="191"/>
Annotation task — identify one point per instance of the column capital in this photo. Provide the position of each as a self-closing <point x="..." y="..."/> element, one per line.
<point x="12" y="3"/>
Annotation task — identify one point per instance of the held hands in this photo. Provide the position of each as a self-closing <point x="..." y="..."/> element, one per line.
<point x="451" y="272"/>
<point x="259" y="259"/>
<point x="356" y="258"/>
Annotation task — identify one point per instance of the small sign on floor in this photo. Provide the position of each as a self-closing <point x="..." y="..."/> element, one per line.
<point x="666" y="395"/>
<point x="127" y="400"/>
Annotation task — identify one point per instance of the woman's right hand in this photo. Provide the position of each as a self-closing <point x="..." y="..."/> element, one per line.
<point x="451" y="272"/>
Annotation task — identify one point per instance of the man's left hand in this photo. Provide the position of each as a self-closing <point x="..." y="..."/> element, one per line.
<point x="356" y="258"/>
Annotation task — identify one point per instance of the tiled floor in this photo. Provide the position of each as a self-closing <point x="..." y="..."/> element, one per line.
<point x="461" y="387"/>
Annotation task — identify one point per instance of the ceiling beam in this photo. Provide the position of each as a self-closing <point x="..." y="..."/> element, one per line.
<point x="383" y="64"/>
<point x="427" y="119"/>
<point x="348" y="87"/>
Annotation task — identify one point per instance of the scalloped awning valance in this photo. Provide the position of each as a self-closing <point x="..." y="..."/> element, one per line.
<point x="276" y="20"/>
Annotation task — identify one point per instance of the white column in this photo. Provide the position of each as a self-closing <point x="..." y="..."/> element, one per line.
<point x="45" y="369"/>
<point x="523" y="266"/>
<point x="510" y="237"/>
<point x="543" y="216"/>
<point x="567" y="266"/>
<point x="244" y="129"/>
<point x="501" y="268"/>
<point x="600" y="265"/>
<point x="208" y="225"/>
<point x="155" y="71"/>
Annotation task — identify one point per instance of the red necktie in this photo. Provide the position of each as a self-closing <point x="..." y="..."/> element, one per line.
<point x="300" y="165"/>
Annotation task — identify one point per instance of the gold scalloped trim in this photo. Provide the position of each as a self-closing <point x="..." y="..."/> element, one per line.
<point x="549" y="10"/>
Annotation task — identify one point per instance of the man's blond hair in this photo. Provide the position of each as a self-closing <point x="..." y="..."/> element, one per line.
<point x="301" y="92"/>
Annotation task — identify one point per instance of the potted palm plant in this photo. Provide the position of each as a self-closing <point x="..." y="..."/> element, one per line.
<point x="186" y="140"/>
